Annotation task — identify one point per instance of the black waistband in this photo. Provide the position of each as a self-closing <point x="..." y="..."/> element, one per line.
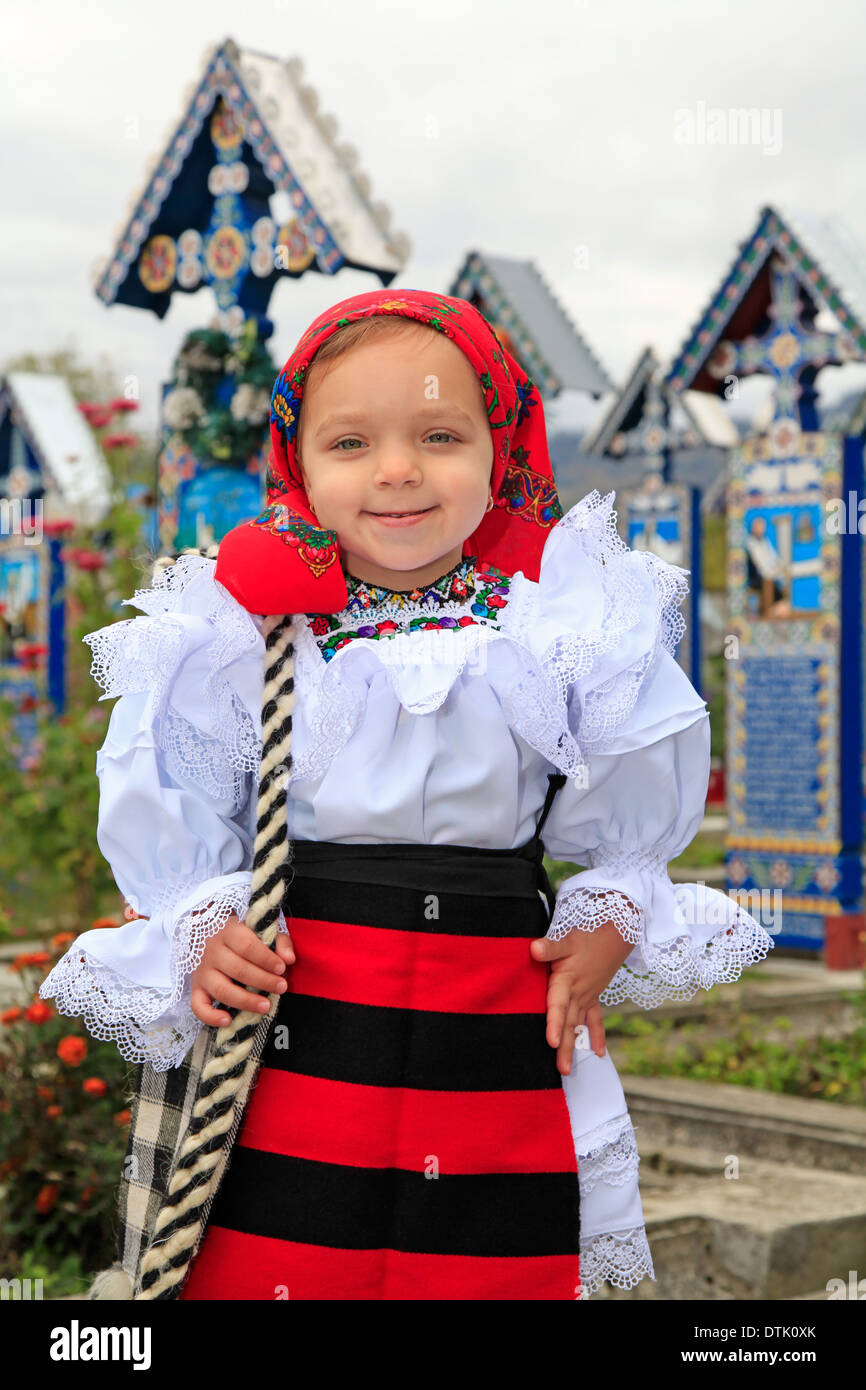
<point x="496" y="873"/>
<point x="517" y="872"/>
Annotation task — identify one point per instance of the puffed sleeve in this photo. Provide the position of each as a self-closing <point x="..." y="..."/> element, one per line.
<point x="636" y="804"/>
<point x="177" y="788"/>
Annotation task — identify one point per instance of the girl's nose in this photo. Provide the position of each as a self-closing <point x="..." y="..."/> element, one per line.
<point x="399" y="465"/>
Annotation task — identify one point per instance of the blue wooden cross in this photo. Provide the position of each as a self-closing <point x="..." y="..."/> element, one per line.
<point x="791" y="350"/>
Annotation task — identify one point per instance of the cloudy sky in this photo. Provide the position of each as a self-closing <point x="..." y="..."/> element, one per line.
<point x="568" y="132"/>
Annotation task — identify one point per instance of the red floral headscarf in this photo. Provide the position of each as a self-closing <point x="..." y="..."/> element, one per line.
<point x="285" y="562"/>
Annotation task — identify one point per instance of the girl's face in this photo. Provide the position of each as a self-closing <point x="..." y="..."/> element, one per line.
<point x="397" y="425"/>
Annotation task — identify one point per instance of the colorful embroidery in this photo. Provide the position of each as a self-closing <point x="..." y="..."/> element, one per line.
<point x="529" y="494"/>
<point x="484" y="591"/>
<point x="316" y="546"/>
<point x="286" y="402"/>
<point x="527" y="397"/>
<point x="273" y="482"/>
<point x="450" y="587"/>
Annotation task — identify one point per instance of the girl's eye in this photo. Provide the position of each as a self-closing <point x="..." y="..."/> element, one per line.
<point x="446" y="434"/>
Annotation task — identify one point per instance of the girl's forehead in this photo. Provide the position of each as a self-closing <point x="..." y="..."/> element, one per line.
<point x="364" y="372"/>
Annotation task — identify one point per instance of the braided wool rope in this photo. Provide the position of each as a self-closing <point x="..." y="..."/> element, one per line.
<point x="179" y="1224"/>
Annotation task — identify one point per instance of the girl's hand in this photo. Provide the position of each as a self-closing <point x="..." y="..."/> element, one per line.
<point x="235" y="957"/>
<point x="582" y="964"/>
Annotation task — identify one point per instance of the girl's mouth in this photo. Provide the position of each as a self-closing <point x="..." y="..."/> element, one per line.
<point x="401" y="518"/>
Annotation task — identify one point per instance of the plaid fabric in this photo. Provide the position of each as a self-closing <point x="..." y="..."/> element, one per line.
<point x="162" y="1104"/>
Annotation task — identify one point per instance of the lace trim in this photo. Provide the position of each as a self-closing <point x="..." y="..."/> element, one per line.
<point x="624" y="579"/>
<point x="130" y="1015"/>
<point x="609" y="1154"/>
<point x="587" y="909"/>
<point x="602" y="1133"/>
<point x="622" y="1258"/>
<point x="616" y="1162"/>
<point x="135" y="655"/>
<point x="677" y="969"/>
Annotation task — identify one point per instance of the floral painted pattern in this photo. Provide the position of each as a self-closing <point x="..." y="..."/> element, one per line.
<point x="286" y="404"/>
<point x="314" y="545"/>
<point x="528" y="494"/>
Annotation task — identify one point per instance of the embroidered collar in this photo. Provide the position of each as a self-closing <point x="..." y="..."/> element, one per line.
<point x="456" y="585"/>
<point x="464" y="596"/>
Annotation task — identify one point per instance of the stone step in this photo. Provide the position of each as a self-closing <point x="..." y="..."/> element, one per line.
<point x="770" y="1233"/>
<point x="683" y="1114"/>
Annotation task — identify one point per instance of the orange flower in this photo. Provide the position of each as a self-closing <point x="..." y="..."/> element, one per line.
<point x="52" y="1111"/>
<point x="62" y="938"/>
<point x="102" y="922"/>
<point x="72" y="1050"/>
<point x="38" y="958"/>
<point x="94" y="1086"/>
<point x="47" y="1197"/>
<point x="123" y="1117"/>
<point x="45" y="1092"/>
<point x="38" y="1012"/>
<point x="10" y="1015"/>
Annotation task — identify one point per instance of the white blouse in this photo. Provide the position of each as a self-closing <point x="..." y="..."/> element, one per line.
<point x="428" y="736"/>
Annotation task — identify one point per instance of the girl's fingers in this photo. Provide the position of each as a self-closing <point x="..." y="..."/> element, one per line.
<point x="558" y="994"/>
<point x="284" y="948"/>
<point x="241" y="939"/>
<point x="200" y="1003"/>
<point x="595" y="1021"/>
<point x="565" y="1051"/>
<point x="240" y="968"/>
<point x="226" y="991"/>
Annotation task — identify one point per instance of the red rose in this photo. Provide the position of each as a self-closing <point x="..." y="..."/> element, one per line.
<point x="72" y="1051"/>
<point x="38" y="1012"/>
<point x="47" y="1198"/>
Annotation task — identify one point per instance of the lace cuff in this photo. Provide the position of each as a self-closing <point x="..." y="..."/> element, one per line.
<point x="148" y="1021"/>
<point x="607" y="1158"/>
<point x="685" y="937"/>
<point x="622" y="1258"/>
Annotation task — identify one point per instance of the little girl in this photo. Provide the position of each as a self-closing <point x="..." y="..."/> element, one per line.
<point x="360" y="1009"/>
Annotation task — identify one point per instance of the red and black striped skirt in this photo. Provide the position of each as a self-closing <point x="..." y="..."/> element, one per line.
<point x="407" y="1135"/>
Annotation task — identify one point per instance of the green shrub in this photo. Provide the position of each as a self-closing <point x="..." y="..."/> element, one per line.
<point x="64" y="1128"/>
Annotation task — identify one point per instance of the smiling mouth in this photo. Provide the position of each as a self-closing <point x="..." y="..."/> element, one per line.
<point x="418" y="512"/>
